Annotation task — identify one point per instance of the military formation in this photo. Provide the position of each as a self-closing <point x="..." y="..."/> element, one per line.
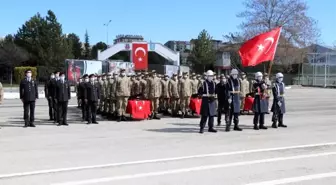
<point x="108" y="95"/>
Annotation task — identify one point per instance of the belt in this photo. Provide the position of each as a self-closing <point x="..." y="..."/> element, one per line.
<point x="208" y="95"/>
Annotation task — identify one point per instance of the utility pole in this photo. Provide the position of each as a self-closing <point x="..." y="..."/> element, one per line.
<point x="107" y="30"/>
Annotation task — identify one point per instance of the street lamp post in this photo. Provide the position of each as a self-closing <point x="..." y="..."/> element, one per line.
<point x="107" y="25"/>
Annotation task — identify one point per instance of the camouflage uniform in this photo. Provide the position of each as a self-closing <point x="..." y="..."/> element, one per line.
<point x="107" y="93"/>
<point x="185" y="93"/>
<point x="136" y="87"/>
<point x="112" y="94"/>
<point x="154" y="93"/>
<point x="143" y="86"/>
<point x="165" y="93"/>
<point x="194" y="84"/>
<point x="174" y="94"/>
<point x="123" y="87"/>
<point x="102" y="94"/>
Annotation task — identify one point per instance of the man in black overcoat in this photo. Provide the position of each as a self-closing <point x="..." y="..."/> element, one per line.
<point x="28" y="96"/>
<point x="222" y="96"/>
<point x="63" y="95"/>
<point x="208" y="107"/>
<point x="92" y="95"/>
<point x="81" y="96"/>
<point x="49" y="94"/>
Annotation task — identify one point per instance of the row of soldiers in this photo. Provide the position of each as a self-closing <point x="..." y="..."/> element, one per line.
<point x="164" y="92"/>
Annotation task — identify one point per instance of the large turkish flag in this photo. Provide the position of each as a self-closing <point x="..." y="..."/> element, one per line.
<point x="260" y="48"/>
<point x="140" y="56"/>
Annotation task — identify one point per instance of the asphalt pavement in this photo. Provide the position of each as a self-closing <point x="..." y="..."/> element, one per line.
<point x="170" y="151"/>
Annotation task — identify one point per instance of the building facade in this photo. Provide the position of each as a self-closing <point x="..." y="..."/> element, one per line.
<point x="128" y="38"/>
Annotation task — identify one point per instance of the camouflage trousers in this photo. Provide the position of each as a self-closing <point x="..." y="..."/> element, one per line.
<point x="155" y="104"/>
<point x="101" y="104"/>
<point x="174" y="102"/>
<point x="113" y="106"/>
<point x="185" y="101"/>
<point x="122" y="104"/>
<point x="107" y="105"/>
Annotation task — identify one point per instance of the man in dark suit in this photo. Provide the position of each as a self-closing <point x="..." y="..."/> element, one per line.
<point x="223" y="105"/>
<point x="53" y="87"/>
<point x="81" y="96"/>
<point x="92" y="95"/>
<point x="49" y="94"/>
<point x="63" y="96"/>
<point x="28" y="96"/>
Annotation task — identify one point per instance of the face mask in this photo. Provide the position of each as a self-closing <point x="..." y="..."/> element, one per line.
<point x="123" y="74"/>
<point x="52" y="76"/>
<point x="29" y="75"/>
<point x="185" y="77"/>
<point x="57" y="76"/>
<point x="259" y="78"/>
<point x="234" y="76"/>
<point x="193" y="77"/>
<point x="243" y="76"/>
<point x="280" y="80"/>
<point x="62" y="78"/>
<point x="80" y="80"/>
<point x="223" y="80"/>
<point x="210" y="78"/>
<point x="154" y="76"/>
<point x="166" y="78"/>
<point x="86" y="80"/>
<point x="92" y="79"/>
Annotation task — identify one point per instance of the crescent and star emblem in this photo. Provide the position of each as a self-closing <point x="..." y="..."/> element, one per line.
<point x="261" y="47"/>
<point x="139" y="49"/>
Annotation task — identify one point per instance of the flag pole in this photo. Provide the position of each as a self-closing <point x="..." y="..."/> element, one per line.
<point x="272" y="61"/>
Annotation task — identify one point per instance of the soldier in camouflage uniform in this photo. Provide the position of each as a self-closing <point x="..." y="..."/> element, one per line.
<point x="174" y="94"/>
<point x="143" y="85"/>
<point x="123" y="87"/>
<point x="185" y="93"/>
<point x="106" y="89"/>
<point x="244" y="89"/>
<point x="165" y="93"/>
<point x="194" y="85"/>
<point x="100" y="82"/>
<point x="136" y="87"/>
<point x="154" y="93"/>
<point x="112" y="95"/>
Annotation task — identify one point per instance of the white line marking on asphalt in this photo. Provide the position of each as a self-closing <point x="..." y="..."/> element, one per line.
<point x="58" y="170"/>
<point x="199" y="168"/>
<point x="296" y="179"/>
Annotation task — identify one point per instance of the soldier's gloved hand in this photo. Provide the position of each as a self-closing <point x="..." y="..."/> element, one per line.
<point x="279" y="103"/>
<point x="230" y="100"/>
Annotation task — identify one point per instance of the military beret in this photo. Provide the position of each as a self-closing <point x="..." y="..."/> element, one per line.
<point x="153" y="71"/>
<point x="85" y="75"/>
<point x="185" y="73"/>
<point x="109" y="74"/>
<point x="174" y="74"/>
<point x="138" y="74"/>
<point x="92" y="75"/>
<point x="28" y="70"/>
<point x="146" y="73"/>
<point x="193" y="74"/>
<point x="166" y="75"/>
<point x="122" y="70"/>
<point x="198" y="75"/>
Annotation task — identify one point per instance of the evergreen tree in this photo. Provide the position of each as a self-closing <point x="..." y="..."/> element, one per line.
<point x="87" y="48"/>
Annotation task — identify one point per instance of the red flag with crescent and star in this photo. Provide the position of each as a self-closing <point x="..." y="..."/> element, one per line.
<point x="140" y="56"/>
<point x="260" y="48"/>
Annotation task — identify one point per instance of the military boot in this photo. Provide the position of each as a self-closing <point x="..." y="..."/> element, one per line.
<point x="227" y="127"/>
<point x="236" y="127"/>
<point x="274" y="125"/>
<point x="156" y="116"/>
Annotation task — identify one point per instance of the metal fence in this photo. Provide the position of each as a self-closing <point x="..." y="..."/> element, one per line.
<point x="320" y="71"/>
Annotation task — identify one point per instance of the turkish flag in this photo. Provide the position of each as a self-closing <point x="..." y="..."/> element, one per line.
<point x="140" y="55"/>
<point x="260" y="48"/>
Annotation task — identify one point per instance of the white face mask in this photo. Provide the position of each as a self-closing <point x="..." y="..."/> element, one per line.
<point x="57" y="76"/>
<point x="92" y="79"/>
<point x="123" y="74"/>
<point x="52" y="76"/>
<point x="86" y="80"/>
<point x="154" y="75"/>
<point x="259" y="78"/>
<point x="62" y="78"/>
<point x="210" y="78"/>
<point x="280" y="80"/>
<point x="234" y="76"/>
<point x="223" y="80"/>
<point x="29" y="75"/>
<point x="166" y="78"/>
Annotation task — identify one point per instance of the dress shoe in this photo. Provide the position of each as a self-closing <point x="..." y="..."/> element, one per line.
<point x="274" y="125"/>
<point x="32" y="125"/>
<point x="282" y="125"/>
<point x="262" y="127"/>
<point x="65" y="124"/>
<point x="212" y="130"/>
<point x="256" y="127"/>
<point x="236" y="128"/>
<point x="201" y="131"/>
<point x="95" y="122"/>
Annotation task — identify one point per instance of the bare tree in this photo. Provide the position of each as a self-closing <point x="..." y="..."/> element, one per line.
<point x="263" y="15"/>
